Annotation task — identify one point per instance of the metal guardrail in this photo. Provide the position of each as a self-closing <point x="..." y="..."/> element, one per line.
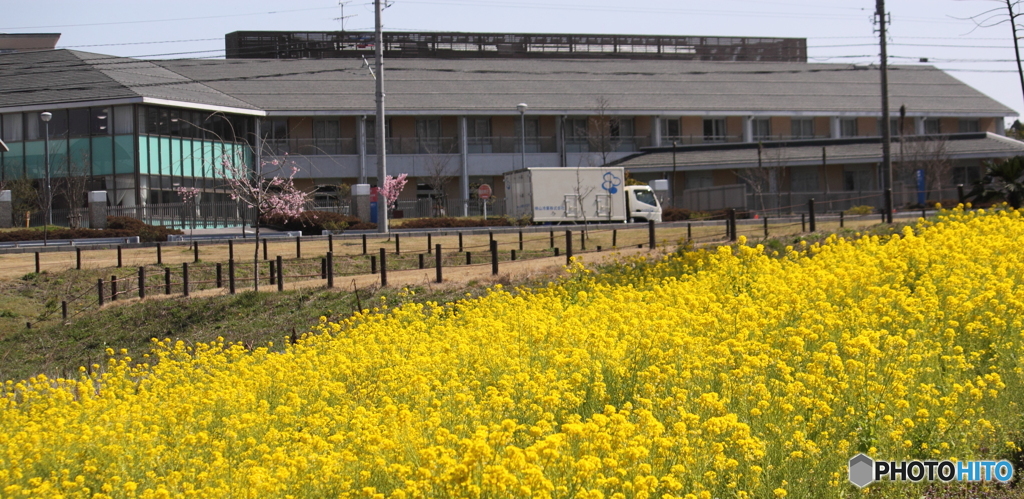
<point x="72" y="242"/>
<point x="204" y="237"/>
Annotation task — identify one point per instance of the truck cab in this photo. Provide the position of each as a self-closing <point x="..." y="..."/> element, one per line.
<point x="641" y="204"/>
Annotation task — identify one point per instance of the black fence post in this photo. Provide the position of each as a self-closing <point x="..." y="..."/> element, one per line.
<point x="364" y="244"/>
<point x="842" y="222"/>
<point x="330" y="243"/>
<point x="437" y="261"/>
<point x="765" y="226"/>
<point x="167" y="280"/>
<point x="37" y="263"/>
<point x="960" y="193"/>
<point x="142" y="282"/>
<point x="650" y="234"/>
<point x="420" y="260"/>
<point x="323" y="268"/>
<point x="583" y="240"/>
<point x="810" y="211"/>
<point x="689" y="233"/>
<point x="265" y="249"/>
<point x="732" y="225"/>
<point x="273" y="273"/>
<point x="280" y="273"/>
<point x="520" y="239"/>
<point x="551" y="238"/>
<point x="556" y="251"/>
<point x="330" y="269"/>
<point x="231" y="249"/>
<point x="513" y="255"/>
<point x="490" y="237"/>
<point x="615" y="237"/>
<point x="298" y="247"/>
<point x="99" y="289"/>
<point x="195" y="250"/>
<point x="494" y="257"/>
<point x="383" y="267"/>
<point x="803" y="222"/>
<point x="113" y="288"/>
<point x="398" y="244"/>
<point x="78" y="258"/>
<point x="64" y="310"/>
<point x="469" y="258"/>
<point x="460" y="242"/>
<point x="184" y="279"/>
<point x="118" y="256"/>
<point x="220" y="276"/>
<point x="231" y="276"/>
<point x="568" y="246"/>
<point x="159" y="254"/>
<point x="923" y="212"/>
<point x="430" y="244"/>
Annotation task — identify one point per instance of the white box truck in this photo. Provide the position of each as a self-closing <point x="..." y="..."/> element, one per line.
<point x="578" y="195"/>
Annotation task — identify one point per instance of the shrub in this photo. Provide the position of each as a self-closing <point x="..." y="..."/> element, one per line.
<point x="446" y="222"/>
<point x="313" y="222"/>
<point x="675" y="214"/>
<point x="860" y="210"/>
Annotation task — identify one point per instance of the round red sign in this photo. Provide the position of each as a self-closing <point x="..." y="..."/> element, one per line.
<point x="484" y="192"/>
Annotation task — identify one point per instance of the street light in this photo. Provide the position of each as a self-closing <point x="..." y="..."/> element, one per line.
<point x="522" y="125"/>
<point x="45" y="116"/>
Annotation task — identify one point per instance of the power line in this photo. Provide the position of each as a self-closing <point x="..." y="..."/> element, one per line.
<point x="113" y="23"/>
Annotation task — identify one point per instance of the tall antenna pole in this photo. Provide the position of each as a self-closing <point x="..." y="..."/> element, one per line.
<point x="886" y="132"/>
<point x="381" y="140"/>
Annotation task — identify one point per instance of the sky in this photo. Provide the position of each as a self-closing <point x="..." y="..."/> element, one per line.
<point x="836" y="31"/>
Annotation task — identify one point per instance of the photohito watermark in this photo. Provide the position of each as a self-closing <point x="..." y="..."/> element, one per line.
<point x="864" y="471"/>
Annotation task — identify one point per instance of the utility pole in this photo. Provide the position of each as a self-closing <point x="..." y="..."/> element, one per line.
<point x="880" y="18"/>
<point x="382" y="169"/>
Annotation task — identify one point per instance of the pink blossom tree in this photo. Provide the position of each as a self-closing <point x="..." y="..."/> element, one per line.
<point x="273" y="196"/>
<point x="188" y="196"/>
<point x="392" y="188"/>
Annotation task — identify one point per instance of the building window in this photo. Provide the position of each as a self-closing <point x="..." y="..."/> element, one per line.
<point x="932" y="126"/>
<point x="802" y="128"/>
<point x="478" y="135"/>
<point x="894" y="127"/>
<point x="848" y="127"/>
<point x="803" y="179"/>
<point x="966" y="175"/>
<point x="714" y="130"/>
<point x="275" y="135"/>
<point x="969" y="126"/>
<point x="576" y="138"/>
<point x="12" y="128"/>
<point x="699" y="180"/>
<point x="532" y="135"/>
<point x="428" y="136"/>
<point x="761" y="128"/>
<point x="621" y="132"/>
<point x="858" y="178"/>
<point x="670" y="130"/>
<point x="371" y="135"/>
<point x="327" y="136"/>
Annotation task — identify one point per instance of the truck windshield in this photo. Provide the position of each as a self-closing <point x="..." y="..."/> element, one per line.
<point x="646" y="197"/>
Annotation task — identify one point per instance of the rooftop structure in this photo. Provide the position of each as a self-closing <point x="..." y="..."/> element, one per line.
<point x="357" y="44"/>
<point x="27" y="42"/>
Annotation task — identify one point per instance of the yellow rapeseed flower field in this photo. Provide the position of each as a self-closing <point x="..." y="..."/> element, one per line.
<point x="725" y="373"/>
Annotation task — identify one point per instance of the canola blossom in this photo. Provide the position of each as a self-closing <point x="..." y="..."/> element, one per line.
<point x="726" y="373"/>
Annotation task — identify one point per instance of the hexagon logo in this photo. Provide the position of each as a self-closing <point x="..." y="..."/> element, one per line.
<point x="861" y="470"/>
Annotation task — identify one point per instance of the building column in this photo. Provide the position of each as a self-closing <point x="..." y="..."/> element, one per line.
<point x="464" y="153"/>
<point x="748" y="129"/>
<point x="656" y="131"/>
<point x="560" y="139"/>
<point x="361" y="144"/>
<point x="1000" y="125"/>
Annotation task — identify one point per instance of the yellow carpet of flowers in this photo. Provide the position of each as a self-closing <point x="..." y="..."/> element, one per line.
<point x="736" y="372"/>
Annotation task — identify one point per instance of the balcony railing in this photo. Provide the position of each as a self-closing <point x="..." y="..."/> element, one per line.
<point x="413" y="145"/>
<point x="492" y="145"/>
<point x="309" y="147"/>
<point x="606" y="144"/>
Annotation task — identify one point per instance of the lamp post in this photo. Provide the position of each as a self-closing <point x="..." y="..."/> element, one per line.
<point x="522" y="126"/>
<point x="46" y="116"/>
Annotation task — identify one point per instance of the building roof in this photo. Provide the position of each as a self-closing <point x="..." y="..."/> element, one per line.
<point x="859" y="150"/>
<point x="45" y="78"/>
<point x="22" y="42"/>
<point x="491" y="86"/>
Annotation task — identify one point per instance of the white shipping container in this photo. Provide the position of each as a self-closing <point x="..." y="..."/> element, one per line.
<point x="590" y="194"/>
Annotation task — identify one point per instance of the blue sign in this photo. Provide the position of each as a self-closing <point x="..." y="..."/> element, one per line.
<point x="611" y="183"/>
<point x="373" y="212"/>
